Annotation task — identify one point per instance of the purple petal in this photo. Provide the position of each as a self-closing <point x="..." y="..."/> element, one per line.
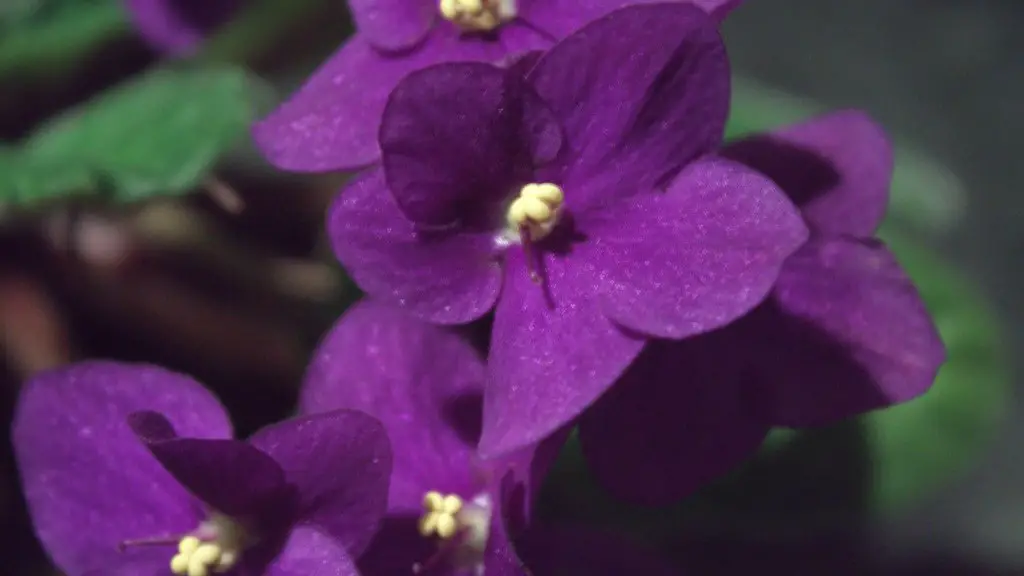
<point x="837" y="168"/>
<point x="444" y="277"/>
<point x="81" y="465"/>
<point x="339" y="462"/>
<point x="310" y="552"/>
<point x="456" y="137"/>
<point x="553" y="353"/>
<point x="397" y="546"/>
<point x="228" y="475"/>
<point x="393" y="24"/>
<point x="500" y="556"/>
<point x="844" y="332"/>
<point x="580" y="550"/>
<point x="136" y="561"/>
<point x="678" y="419"/>
<point x="559" y="18"/>
<point x="639" y="93"/>
<point x="423" y="382"/>
<point x="332" y="122"/>
<point x="518" y="38"/>
<point x="698" y="257"/>
<point x="178" y="26"/>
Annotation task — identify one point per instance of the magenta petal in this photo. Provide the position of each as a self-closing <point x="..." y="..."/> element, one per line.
<point x="639" y="93"/>
<point x="837" y="168"/>
<point x="393" y="24"/>
<point x="679" y="418"/>
<point x="553" y="353"/>
<point x="310" y="552"/>
<point x="228" y="475"/>
<point x="81" y="465"/>
<point x="456" y="137"/>
<point x="331" y="123"/>
<point x="423" y="382"/>
<point x="844" y="332"/>
<point x="698" y="257"/>
<point x="340" y="463"/>
<point x="445" y="277"/>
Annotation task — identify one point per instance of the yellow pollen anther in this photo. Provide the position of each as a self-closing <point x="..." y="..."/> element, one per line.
<point x="536" y="208"/>
<point x="198" y="558"/>
<point x="440" y="515"/>
<point x="478" y="15"/>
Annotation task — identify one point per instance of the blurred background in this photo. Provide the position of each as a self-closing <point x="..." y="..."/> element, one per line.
<point x="220" y="270"/>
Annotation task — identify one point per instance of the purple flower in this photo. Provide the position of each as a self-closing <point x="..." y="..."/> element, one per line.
<point x="130" y="469"/>
<point x="843" y="332"/>
<point x="576" y="202"/>
<point x="177" y="27"/>
<point x="449" y="512"/>
<point x="331" y="123"/>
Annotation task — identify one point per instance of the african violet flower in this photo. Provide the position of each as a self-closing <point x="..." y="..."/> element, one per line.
<point x="448" y="512"/>
<point x="130" y="469"/>
<point x="177" y="27"/>
<point x="331" y="123"/>
<point x="573" y="199"/>
<point x="843" y="332"/>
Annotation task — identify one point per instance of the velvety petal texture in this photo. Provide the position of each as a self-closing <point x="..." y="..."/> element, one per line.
<point x="393" y="24"/>
<point x="697" y="257"/>
<point x="844" y="332"/>
<point x="837" y="168"/>
<point x="310" y="552"/>
<point x="631" y="121"/>
<point x="89" y="482"/>
<point x="177" y="27"/>
<point x="422" y="381"/>
<point x="443" y="276"/>
<point x="678" y="419"/>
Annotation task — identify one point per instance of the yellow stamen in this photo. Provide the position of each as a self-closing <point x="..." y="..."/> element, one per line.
<point x="478" y="15"/>
<point x="440" y="515"/>
<point x="536" y="209"/>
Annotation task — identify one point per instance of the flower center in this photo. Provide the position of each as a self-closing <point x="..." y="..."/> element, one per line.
<point x="478" y="15"/>
<point x="213" y="548"/>
<point x="535" y="211"/>
<point x="462" y="528"/>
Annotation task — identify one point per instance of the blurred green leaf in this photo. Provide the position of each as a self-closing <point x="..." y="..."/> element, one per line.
<point x="44" y="36"/>
<point x="26" y="180"/>
<point x="159" y="133"/>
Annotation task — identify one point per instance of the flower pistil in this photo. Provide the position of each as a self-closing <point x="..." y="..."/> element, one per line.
<point x="478" y="15"/>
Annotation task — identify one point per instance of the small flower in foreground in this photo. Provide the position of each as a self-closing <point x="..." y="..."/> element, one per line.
<point x="331" y="122"/>
<point x="130" y="469"/>
<point x="448" y="512"/>
<point x="843" y="332"/>
<point x="177" y="27"/>
<point x="574" y="201"/>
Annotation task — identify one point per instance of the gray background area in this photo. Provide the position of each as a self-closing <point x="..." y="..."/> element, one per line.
<point x="948" y="76"/>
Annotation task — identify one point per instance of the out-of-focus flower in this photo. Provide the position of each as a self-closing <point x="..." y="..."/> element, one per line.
<point x="130" y="469"/>
<point x="843" y="332"/>
<point x="331" y="123"/>
<point x="449" y="511"/>
<point x="576" y="201"/>
<point x="177" y="27"/>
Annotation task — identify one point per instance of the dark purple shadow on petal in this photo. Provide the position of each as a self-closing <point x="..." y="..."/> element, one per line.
<point x="464" y="413"/>
<point x="396" y="547"/>
<point x="151" y="426"/>
<point x="803" y="175"/>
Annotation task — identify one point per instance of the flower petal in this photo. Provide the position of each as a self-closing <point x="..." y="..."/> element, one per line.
<point x="228" y="475"/>
<point x="340" y="463"/>
<point x="640" y="93"/>
<point x="581" y="550"/>
<point x="397" y="546"/>
<point x="837" y="168"/>
<point x="179" y="26"/>
<point x="844" y="332"/>
<point x="698" y="257"/>
<point x="443" y="277"/>
<point x="88" y="482"/>
<point x="136" y="561"/>
<point x="332" y="122"/>
<point x="393" y="24"/>
<point x="678" y="419"/>
<point x="559" y="18"/>
<point x="455" y="137"/>
<point x="553" y="353"/>
<point x="310" y="552"/>
<point x="423" y="382"/>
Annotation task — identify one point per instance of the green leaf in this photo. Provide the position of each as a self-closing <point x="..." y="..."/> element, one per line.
<point x="47" y="36"/>
<point x="26" y="180"/>
<point x="157" y="134"/>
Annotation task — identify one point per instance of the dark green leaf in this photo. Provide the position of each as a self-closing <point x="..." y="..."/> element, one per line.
<point x="158" y="134"/>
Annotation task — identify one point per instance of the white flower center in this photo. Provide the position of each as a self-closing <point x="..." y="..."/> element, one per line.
<point x="478" y="15"/>
<point x="214" y="548"/>
<point x="462" y="527"/>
